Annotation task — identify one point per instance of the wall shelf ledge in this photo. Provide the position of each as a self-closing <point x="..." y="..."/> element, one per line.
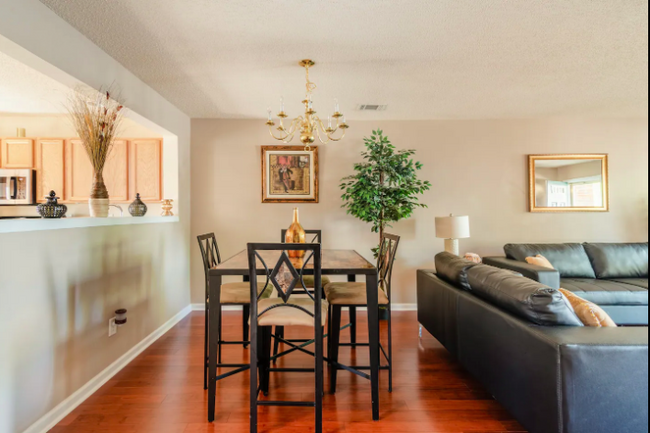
<point x="35" y="225"/>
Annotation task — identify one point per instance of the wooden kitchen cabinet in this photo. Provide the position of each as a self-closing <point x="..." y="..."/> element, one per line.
<point x="50" y="168"/>
<point x="116" y="172"/>
<point x="17" y="153"/>
<point x="146" y="155"/>
<point x="62" y="165"/>
<point x="80" y="174"/>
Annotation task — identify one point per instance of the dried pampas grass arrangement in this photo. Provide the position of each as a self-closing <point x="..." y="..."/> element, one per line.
<point x="97" y="118"/>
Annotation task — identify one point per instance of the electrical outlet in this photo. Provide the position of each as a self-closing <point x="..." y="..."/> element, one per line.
<point x="112" y="327"/>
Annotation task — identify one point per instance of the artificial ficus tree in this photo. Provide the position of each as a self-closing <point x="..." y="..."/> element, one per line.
<point x="385" y="186"/>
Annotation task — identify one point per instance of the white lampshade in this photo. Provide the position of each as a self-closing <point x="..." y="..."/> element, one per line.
<point x="452" y="227"/>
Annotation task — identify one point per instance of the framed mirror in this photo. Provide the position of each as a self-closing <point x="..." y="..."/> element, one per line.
<point x="569" y="183"/>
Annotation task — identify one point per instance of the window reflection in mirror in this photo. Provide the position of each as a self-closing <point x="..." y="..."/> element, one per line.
<point x="569" y="183"/>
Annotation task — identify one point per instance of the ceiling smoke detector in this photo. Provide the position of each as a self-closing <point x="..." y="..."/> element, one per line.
<point x="372" y="107"/>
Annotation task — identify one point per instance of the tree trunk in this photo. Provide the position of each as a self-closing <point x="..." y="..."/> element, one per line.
<point x="381" y="215"/>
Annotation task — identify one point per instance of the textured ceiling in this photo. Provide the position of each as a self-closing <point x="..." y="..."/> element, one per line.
<point x="26" y="91"/>
<point x="426" y="59"/>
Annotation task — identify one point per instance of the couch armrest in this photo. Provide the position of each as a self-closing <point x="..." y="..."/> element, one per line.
<point x="548" y="277"/>
<point x="604" y="379"/>
<point x="437" y="309"/>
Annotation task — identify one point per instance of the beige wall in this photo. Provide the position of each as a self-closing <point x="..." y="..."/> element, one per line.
<point x="60" y="126"/>
<point x="58" y="289"/>
<point x="478" y="168"/>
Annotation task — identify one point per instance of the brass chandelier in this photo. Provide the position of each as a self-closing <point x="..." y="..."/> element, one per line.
<point x="310" y="126"/>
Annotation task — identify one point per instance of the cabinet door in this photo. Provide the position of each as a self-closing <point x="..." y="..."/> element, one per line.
<point x="50" y="168"/>
<point x="80" y="173"/>
<point x="116" y="172"/>
<point x="17" y="153"/>
<point x="147" y="169"/>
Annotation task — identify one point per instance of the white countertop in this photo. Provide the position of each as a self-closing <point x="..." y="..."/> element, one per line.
<point x="34" y="225"/>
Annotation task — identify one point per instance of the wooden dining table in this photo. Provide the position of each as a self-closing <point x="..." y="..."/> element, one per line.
<point x="334" y="262"/>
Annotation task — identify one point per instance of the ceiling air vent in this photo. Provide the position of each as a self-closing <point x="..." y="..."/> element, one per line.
<point x="372" y="107"/>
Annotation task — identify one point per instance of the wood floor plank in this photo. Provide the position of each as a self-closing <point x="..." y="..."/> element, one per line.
<point x="162" y="391"/>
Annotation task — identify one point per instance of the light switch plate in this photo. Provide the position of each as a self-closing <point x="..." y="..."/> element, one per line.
<point x="112" y="327"/>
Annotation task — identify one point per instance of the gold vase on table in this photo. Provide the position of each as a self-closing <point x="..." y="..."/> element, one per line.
<point x="295" y="235"/>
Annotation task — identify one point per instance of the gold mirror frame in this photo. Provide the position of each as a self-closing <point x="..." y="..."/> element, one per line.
<point x="532" y="159"/>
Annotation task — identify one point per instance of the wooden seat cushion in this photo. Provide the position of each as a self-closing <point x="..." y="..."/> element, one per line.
<point x="351" y="294"/>
<point x="289" y="316"/>
<point x="240" y="293"/>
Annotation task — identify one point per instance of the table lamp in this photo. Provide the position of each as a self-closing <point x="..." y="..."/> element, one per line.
<point x="451" y="229"/>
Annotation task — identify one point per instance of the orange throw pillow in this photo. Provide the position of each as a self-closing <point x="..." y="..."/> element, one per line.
<point x="472" y="257"/>
<point x="539" y="260"/>
<point x="589" y="313"/>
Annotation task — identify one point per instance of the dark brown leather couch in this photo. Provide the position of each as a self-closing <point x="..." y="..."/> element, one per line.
<point x="518" y="338"/>
<point x="614" y="276"/>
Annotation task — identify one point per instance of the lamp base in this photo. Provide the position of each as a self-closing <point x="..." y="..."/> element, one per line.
<point x="452" y="246"/>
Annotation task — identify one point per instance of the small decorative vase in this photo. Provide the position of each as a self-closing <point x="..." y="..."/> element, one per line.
<point x="138" y="208"/>
<point x="99" y="201"/>
<point x="52" y="209"/>
<point x="167" y="207"/>
<point x="295" y="235"/>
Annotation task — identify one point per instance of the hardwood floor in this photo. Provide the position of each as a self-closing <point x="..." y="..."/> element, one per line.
<point x="162" y="391"/>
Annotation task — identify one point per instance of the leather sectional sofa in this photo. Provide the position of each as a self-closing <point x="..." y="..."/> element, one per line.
<point x="614" y="276"/>
<point x="523" y="341"/>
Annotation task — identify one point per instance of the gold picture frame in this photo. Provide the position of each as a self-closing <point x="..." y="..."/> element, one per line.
<point x="289" y="174"/>
<point x="559" y="159"/>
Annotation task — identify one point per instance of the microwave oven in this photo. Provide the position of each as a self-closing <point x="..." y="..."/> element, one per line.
<point x="17" y="187"/>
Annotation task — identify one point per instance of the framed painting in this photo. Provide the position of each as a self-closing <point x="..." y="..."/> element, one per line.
<point x="289" y="174"/>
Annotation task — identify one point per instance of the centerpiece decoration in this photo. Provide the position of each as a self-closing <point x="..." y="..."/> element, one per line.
<point x="385" y="187"/>
<point x="295" y="235"/>
<point x="96" y="119"/>
<point x="52" y="209"/>
<point x="138" y="208"/>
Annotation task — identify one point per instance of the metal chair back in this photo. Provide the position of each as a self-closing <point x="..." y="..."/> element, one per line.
<point x="386" y="261"/>
<point x="316" y="239"/>
<point x="210" y="253"/>
<point x="285" y="276"/>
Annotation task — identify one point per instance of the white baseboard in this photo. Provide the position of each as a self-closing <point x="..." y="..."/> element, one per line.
<point x="201" y="307"/>
<point x="53" y="417"/>
<point x="396" y="307"/>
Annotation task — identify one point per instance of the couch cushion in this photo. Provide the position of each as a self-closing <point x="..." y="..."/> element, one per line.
<point x="619" y="260"/>
<point x="606" y="292"/>
<point x="570" y="260"/>
<point x="522" y="297"/>
<point x="452" y="269"/>
<point x="639" y="282"/>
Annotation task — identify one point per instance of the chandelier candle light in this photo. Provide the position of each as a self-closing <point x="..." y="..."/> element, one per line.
<point x="309" y="125"/>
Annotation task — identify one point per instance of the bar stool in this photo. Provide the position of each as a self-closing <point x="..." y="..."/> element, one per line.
<point x="340" y="295"/>
<point x="285" y="310"/>
<point x="236" y="294"/>
<point x="309" y="284"/>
